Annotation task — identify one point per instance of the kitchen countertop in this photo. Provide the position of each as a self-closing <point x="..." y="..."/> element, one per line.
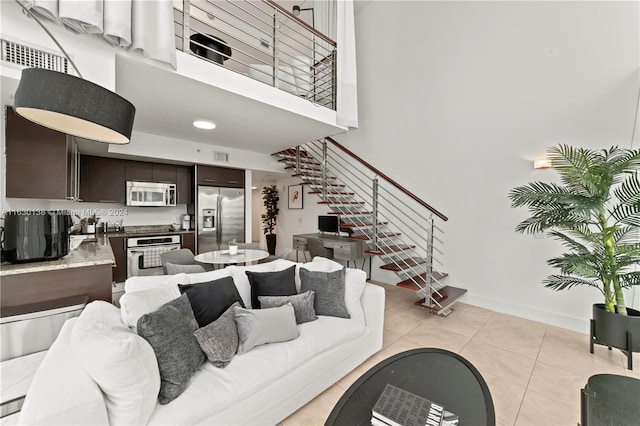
<point x="92" y="252"/>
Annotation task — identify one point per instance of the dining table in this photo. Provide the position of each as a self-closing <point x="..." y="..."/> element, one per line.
<point x="223" y="257"/>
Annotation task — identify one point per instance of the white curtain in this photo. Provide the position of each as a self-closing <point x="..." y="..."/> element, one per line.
<point x="347" y="102"/>
<point x="141" y="25"/>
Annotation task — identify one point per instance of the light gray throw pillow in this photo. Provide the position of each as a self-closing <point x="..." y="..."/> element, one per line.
<point x="261" y="326"/>
<point x="173" y="269"/>
<point x="302" y="305"/>
<point x="329" y="288"/>
<point x="219" y="339"/>
<point x="169" y="331"/>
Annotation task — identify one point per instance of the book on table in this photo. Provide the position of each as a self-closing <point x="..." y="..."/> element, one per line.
<point x="398" y="407"/>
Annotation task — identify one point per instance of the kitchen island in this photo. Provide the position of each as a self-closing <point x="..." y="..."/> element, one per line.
<point x="85" y="271"/>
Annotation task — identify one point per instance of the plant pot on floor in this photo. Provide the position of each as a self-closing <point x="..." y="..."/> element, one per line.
<point x="616" y="331"/>
<point x="271" y="243"/>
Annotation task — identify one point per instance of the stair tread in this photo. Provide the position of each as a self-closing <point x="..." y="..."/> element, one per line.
<point x="292" y="161"/>
<point x="450" y="295"/>
<point x="403" y="264"/>
<point x="351" y="213"/>
<point x="390" y="249"/>
<point x="292" y="151"/>
<point x="332" y="193"/>
<point x="311" y="176"/>
<point x="380" y="235"/>
<point x="313" y="169"/>
<point x="360" y="225"/>
<point x="412" y="282"/>
<point x="342" y="202"/>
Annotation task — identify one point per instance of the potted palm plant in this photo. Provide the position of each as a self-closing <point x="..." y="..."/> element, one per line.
<point x="595" y="214"/>
<point x="270" y="200"/>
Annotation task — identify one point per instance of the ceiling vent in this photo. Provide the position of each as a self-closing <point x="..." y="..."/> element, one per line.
<point x="221" y="156"/>
<point x="29" y="57"/>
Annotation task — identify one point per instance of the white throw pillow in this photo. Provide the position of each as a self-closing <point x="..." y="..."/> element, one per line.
<point x="122" y="363"/>
<point x="133" y="284"/>
<point x="205" y="277"/>
<point x="136" y="304"/>
<point x="242" y="281"/>
<point x="261" y="326"/>
<point x="355" y="281"/>
<point x="61" y="393"/>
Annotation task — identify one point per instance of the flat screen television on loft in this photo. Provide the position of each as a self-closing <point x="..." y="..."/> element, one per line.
<point x="328" y="224"/>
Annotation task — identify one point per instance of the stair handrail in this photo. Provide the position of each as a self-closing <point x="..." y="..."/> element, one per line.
<point x="388" y="179"/>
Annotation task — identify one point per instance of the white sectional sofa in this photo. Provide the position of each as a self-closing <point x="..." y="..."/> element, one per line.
<point x="262" y="386"/>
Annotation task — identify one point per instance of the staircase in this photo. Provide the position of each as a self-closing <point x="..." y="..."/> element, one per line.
<point x="400" y="228"/>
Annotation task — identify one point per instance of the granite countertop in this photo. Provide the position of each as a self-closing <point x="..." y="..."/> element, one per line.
<point x="92" y="252"/>
<point x="95" y="250"/>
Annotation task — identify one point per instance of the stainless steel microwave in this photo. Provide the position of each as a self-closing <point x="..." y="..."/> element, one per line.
<point x="151" y="194"/>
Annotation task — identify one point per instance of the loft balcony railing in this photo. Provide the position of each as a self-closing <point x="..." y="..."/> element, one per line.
<point x="260" y="39"/>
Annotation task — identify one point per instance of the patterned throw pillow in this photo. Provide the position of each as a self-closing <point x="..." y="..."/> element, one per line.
<point x="302" y="305"/>
<point x="219" y="340"/>
<point x="329" y="288"/>
<point x="169" y="331"/>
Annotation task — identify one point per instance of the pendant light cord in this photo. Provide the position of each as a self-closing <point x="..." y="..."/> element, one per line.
<point x="26" y="9"/>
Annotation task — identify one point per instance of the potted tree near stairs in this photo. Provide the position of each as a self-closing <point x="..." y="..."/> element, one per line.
<point x="595" y="214"/>
<point x="270" y="200"/>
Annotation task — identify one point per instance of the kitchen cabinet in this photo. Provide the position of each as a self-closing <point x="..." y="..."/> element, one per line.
<point x="184" y="184"/>
<point x="220" y="176"/>
<point x="120" y="255"/>
<point x="102" y="179"/>
<point x="189" y="241"/>
<point x="138" y="171"/>
<point x="36" y="160"/>
<point x="164" y="173"/>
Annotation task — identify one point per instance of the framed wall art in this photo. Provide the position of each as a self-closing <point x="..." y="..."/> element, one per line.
<point x="295" y="197"/>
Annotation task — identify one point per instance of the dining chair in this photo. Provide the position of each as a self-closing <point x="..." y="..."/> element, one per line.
<point x="181" y="257"/>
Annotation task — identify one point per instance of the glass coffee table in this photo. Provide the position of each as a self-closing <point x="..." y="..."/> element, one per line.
<point x="439" y="375"/>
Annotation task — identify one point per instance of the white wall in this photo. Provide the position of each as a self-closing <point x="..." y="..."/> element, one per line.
<point x="457" y="98"/>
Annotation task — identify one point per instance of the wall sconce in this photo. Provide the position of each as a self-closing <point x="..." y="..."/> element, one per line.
<point x="542" y="163"/>
<point x="296" y="12"/>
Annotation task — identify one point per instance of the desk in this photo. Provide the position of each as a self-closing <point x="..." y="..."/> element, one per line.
<point x="223" y="257"/>
<point x="344" y="248"/>
<point x="436" y="374"/>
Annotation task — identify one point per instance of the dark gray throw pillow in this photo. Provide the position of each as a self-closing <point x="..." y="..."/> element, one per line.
<point x="219" y="340"/>
<point x="169" y="331"/>
<point x="210" y="299"/>
<point x="329" y="288"/>
<point x="302" y="305"/>
<point x="278" y="283"/>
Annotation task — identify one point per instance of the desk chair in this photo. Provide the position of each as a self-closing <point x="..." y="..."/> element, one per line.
<point x="316" y="248"/>
<point x="181" y="257"/>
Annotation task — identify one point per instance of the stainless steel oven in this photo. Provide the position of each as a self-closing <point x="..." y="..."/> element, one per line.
<point x="143" y="254"/>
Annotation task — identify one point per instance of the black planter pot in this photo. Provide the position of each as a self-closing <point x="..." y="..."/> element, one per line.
<point x="271" y="243"/>
<point x="617" y="331"/>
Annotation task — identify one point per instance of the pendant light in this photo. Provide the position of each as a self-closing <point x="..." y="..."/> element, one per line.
<point x="71" y="104"/>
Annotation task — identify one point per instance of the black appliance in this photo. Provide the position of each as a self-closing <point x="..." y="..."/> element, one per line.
<point x="36" y="235"/>
<point x="213" y="48"/>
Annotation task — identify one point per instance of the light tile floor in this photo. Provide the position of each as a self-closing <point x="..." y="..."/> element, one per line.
<point x="534" y="371"/>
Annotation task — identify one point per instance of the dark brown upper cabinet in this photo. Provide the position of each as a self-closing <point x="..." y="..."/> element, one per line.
<point x="138" y="171"/>
<point x="37" y="161"/>
<point x="184" y="184"/>
<point x="164" y="173"/>
<point x="220" y="176"/>
<point x="102" y="179"/>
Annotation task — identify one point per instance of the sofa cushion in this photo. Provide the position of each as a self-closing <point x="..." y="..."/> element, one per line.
<point x="208" y="276"/>
<point x="242" y="280"/>
<point x="261" y="326"/>
<point x="170" y="330"/>
<point x="329" y="288"/>
<point x="209" y="300"/>
<point x="82" y="401"/>
<point x="136" y="304"/>
<point x="355" y="282"/>
<point x="277" y="283"/>
<point x="121" y="363"/>
<point x="133" y="284"/>
<point x="173" y="269"/>
<point x="302" y="305"/>
<point x="219" y="339"/>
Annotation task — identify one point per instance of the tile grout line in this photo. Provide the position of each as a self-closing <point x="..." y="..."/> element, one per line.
<point x="526" y="389"/>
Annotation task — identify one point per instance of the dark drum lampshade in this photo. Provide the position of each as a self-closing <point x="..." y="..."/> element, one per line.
<point x="74" y="106"/>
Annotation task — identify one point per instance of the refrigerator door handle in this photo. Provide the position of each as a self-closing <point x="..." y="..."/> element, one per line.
<point x="220" y="224"/>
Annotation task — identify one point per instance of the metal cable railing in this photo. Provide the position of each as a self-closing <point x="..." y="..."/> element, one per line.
<point x="400" y="227"/>
<point x="260" y="39"/>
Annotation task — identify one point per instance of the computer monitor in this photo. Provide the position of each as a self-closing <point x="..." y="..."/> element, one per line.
<point x="328" y="224"/>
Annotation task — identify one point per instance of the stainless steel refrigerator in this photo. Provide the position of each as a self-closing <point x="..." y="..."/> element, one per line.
<point x="220" y="217"/>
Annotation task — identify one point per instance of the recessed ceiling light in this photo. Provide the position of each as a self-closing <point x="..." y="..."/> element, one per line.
<point x="202" y="124"/>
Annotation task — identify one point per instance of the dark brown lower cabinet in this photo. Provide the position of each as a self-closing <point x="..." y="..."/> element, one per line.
<point x="189" y="241"/>
<point x="120" y="255"/>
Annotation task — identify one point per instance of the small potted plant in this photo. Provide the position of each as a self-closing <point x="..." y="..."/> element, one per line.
<point x="233" y="247"/>
<point x="270" y="200"/>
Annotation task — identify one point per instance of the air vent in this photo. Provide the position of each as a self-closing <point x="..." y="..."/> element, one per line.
<point x="264" y="43"/>
<point x="221" y="156"/>
<point x="29" y="57"/>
